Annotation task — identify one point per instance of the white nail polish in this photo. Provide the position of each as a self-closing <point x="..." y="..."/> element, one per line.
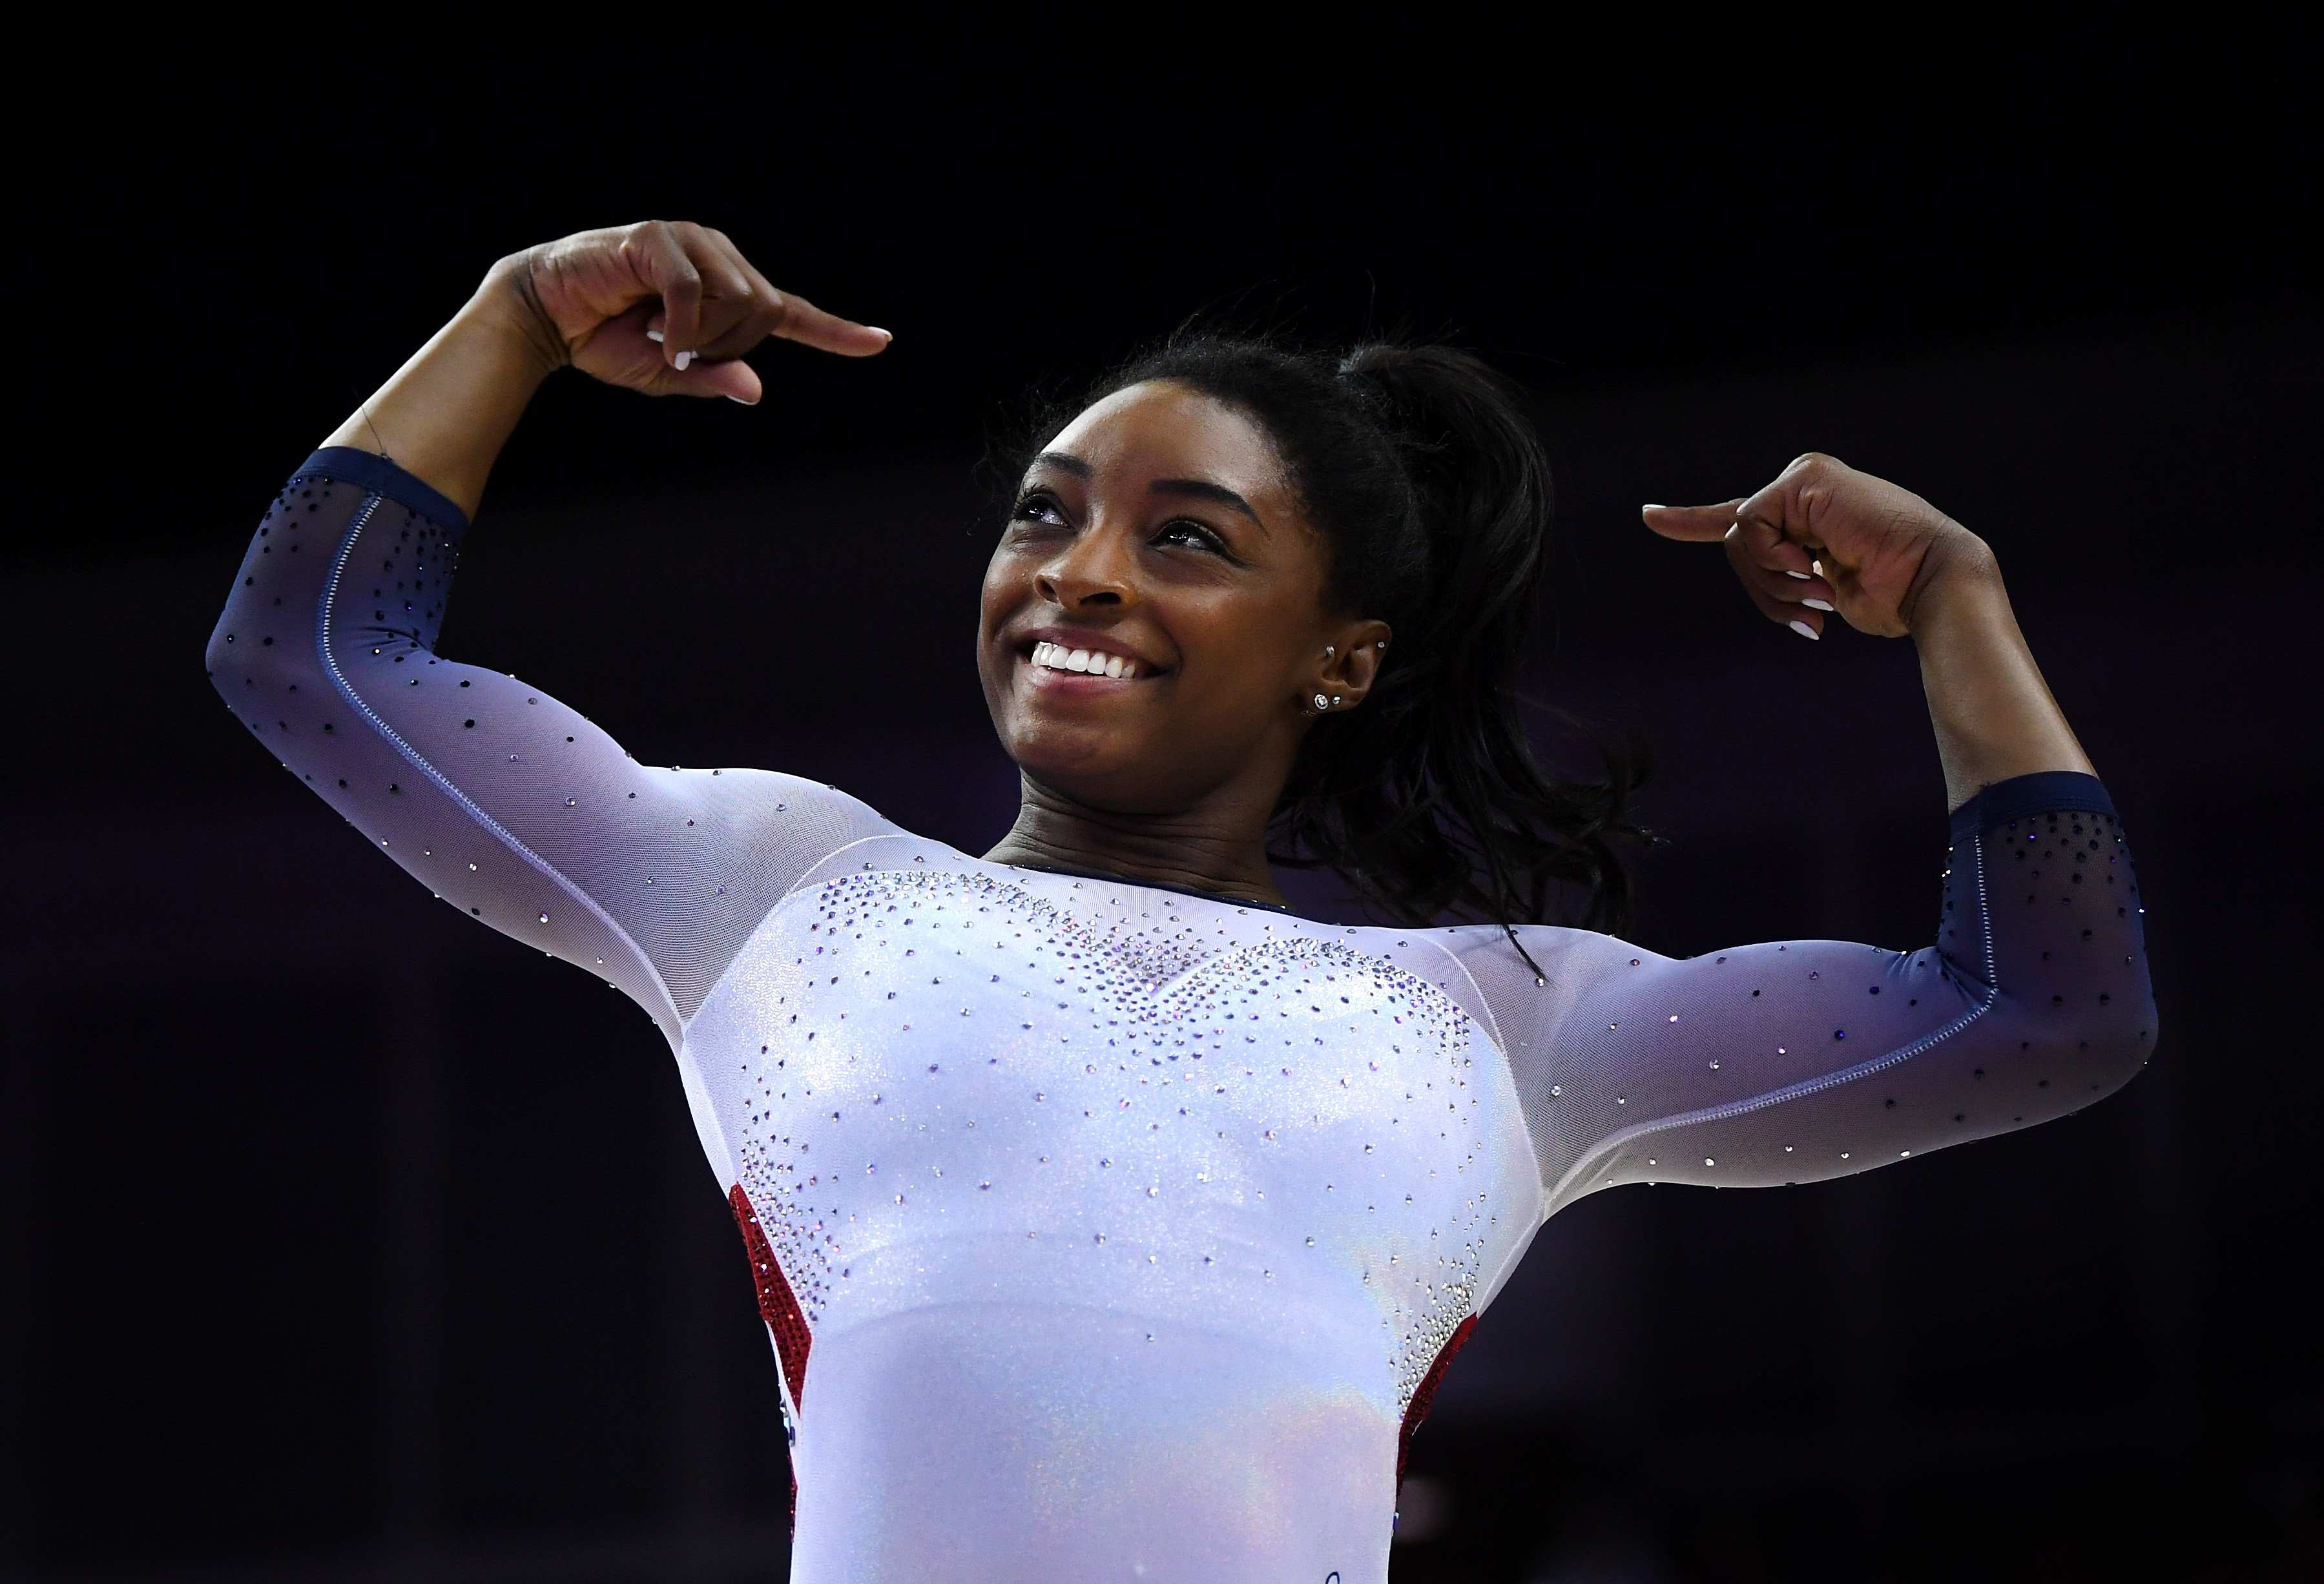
<point x="1817" y="604"/>
<point x="1801" y="576"/>
<point x="682" y="359"/>
<point x="654" y="335"/>
<point x="1804" y="630"/>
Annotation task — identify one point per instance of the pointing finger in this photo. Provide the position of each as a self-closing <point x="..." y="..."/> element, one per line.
<point x="1699" y="524"/>
<point x="801" y="321"/>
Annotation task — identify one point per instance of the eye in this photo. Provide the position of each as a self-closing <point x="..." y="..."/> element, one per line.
<point x="1040" y="506"/>
<point x="1192" y="535"/>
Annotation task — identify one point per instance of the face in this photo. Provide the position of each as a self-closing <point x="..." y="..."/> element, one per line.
<point x="1159" y="538"/>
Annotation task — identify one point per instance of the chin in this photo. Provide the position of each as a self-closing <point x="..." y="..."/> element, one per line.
<point x="1098" y="772"/>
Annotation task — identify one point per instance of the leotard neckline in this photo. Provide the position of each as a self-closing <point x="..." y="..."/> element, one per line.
<point x="1122" y="880"/>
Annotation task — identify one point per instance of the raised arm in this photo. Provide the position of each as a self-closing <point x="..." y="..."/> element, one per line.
<point x="1800" y="1060"/>
<point x="504" y="802"/>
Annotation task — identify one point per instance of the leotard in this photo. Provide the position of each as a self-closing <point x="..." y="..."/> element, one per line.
<point x="1105" y="1232"/>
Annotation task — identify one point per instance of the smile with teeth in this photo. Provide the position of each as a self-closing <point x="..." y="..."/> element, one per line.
<point x="1056" y="657"/>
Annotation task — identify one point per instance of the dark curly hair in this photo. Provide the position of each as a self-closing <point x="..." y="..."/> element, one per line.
<point x="1422" y="468"/>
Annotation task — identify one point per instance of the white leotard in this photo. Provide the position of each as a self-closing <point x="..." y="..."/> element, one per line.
<point x="1107" y="1232"/>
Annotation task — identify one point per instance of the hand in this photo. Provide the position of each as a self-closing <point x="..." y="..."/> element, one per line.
<point x="664" y="308"/>
<point x="1824" y="536"/>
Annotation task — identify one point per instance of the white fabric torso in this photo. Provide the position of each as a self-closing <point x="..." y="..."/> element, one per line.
<point x="1125" y="1224"/>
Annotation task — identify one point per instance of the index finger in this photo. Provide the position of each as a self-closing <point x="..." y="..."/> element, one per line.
<point x="1700" y="524"/>
<point x="797" y="319"/>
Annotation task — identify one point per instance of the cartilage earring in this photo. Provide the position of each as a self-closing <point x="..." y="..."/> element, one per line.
<point x="1328" y="650"/>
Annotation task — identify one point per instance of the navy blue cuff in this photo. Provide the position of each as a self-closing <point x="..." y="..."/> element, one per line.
<point x="2024" y="797"/>
<point x="376" y="475"/>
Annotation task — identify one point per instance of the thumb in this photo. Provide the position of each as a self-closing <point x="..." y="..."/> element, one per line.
<point x="734" y="378"/>
<point x="1697" y="523"/>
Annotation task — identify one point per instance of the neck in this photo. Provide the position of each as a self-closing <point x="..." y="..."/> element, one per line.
<point x="1218" y="845"/>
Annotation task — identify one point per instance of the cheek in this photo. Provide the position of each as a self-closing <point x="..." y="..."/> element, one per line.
<point x="1243" y="658"/>
<point x="1006" y="583"/>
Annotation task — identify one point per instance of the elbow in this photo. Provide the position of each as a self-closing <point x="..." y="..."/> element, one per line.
<point x="218" y="656"/>
<point x="2063" y="1057"/>
<point x="254" y="655"/>
<point x="241" y="658"/>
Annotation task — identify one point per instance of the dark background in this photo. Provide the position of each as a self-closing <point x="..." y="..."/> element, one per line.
<point x="344" y="1241"/>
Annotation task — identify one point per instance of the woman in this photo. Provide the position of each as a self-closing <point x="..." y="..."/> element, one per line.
<point x="1109" y="1220"/>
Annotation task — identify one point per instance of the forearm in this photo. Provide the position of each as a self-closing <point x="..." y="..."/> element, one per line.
<point x="1994" y="716"/>
<point x="444" y="416"/>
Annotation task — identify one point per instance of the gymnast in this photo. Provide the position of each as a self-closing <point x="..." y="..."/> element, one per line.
<point x="1109" y="1219"/>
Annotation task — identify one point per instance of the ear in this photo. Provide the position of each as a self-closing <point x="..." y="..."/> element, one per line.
<point x="1347" y="663"/>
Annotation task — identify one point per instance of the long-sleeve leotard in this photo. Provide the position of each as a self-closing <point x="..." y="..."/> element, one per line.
<point x="1003" y="1142"/>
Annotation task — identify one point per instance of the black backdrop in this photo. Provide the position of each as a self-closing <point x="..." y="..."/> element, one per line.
<point x="344" y="1241"/>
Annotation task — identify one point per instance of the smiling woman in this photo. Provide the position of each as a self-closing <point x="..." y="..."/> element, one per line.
<point x="1277" y="518"/>
<point x="1126" y="1221"/>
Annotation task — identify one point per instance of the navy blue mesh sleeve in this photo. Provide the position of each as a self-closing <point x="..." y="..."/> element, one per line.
<point x="506" y="803"/>
<point x="1800" y="1060"/>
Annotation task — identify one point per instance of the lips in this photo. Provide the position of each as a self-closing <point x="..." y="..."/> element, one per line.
<point x="1088" y="662"/>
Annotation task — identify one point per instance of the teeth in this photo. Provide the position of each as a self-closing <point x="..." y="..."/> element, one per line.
<point x="1056" y="657"/>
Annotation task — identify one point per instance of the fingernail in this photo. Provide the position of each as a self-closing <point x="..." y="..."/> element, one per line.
<point x="1653" y="506"/>
<point x="1817" y="604"/>
<point x="1804" y="630"/>
<point x="738" y="399"/>
<point x="653" y="335"/>
<point x="1801" y="576"/>
<point x="876" y="330"/>
<point x="681" y="360"/>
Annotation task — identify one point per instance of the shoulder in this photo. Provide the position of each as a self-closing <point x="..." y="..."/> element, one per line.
<point x="1533" y="981"/>
<point x="775" y="799"/>
<point x="1564" y="957"/>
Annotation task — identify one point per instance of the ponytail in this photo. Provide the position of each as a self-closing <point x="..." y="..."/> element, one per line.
<point x="1422" y="468"/>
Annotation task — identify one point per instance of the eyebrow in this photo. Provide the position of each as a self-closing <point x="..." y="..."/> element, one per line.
<point x="1196" y="488"/>
<point x="1203" y="490"/>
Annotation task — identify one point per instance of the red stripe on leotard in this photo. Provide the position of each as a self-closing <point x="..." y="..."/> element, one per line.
<point x="1427" y="1392"/>
<point x="777" y="1305"/>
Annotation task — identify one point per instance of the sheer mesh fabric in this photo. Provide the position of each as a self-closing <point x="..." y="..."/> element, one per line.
<point x="505" y="801"/>
<point x="1796" y="1061"/>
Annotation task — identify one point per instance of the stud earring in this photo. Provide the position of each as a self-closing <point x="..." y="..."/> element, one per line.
<point x="1323" y="703"/>
<point x="1328" y="650"/>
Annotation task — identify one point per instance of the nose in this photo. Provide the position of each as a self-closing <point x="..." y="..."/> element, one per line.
<point x="1095" y="572"/>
